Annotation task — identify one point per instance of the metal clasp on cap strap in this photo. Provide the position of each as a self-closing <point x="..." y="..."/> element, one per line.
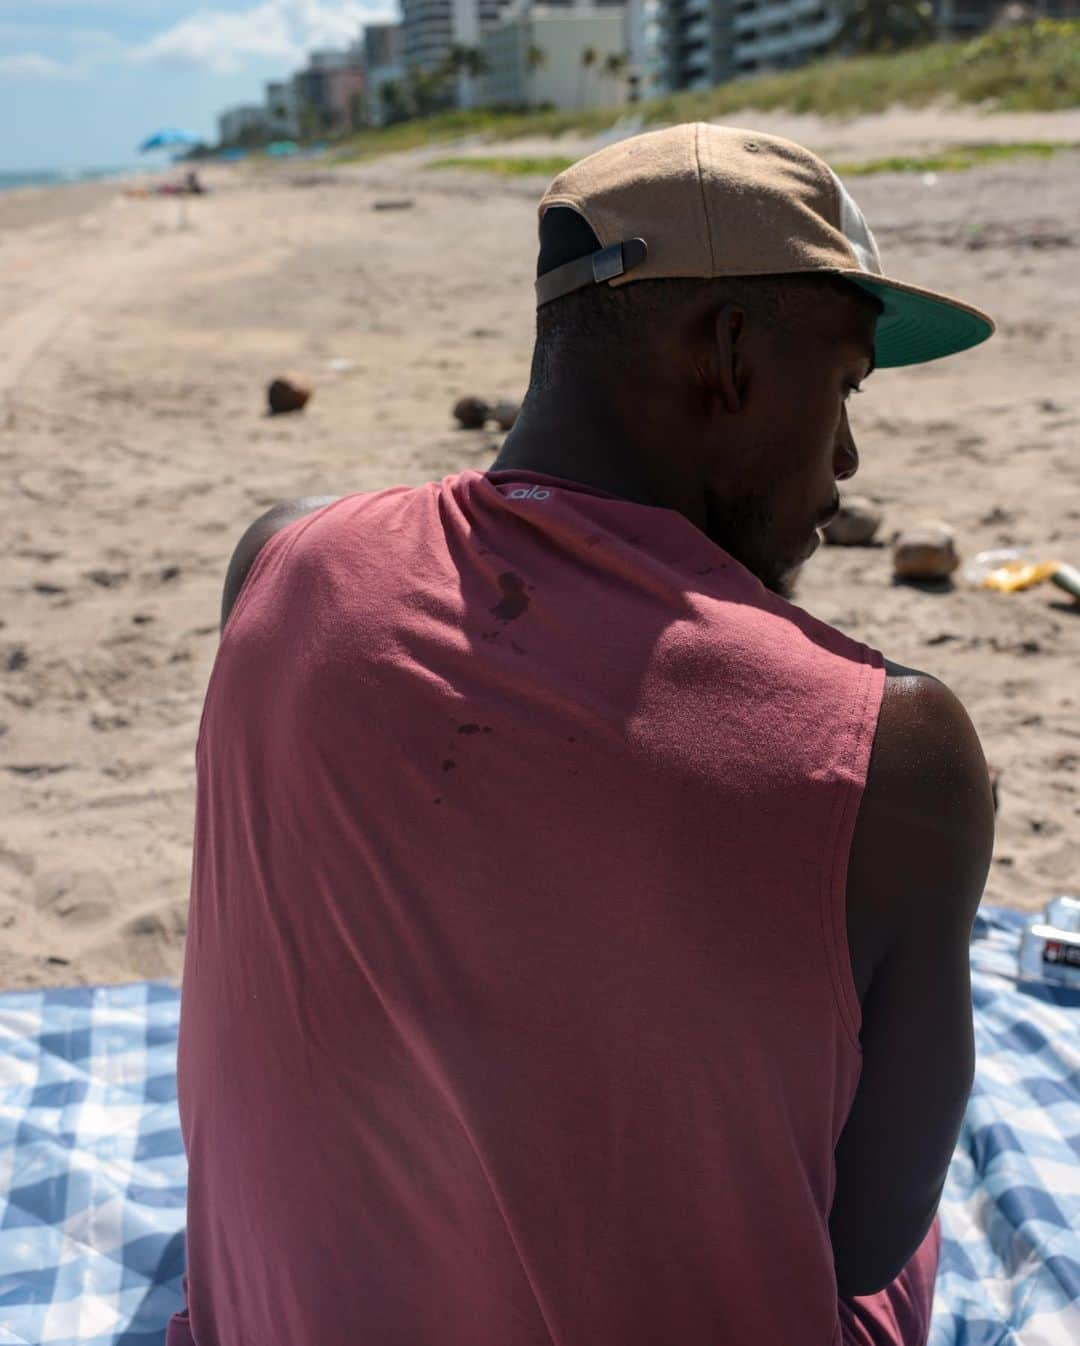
<point x="594" y="269"/>
<point x="607" y="263"/>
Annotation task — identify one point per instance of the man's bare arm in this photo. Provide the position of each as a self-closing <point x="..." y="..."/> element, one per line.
<point x="918" y="865"/>
<point x="256" y="537"/>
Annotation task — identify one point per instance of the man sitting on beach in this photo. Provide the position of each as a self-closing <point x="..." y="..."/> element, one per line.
<point x="578" y="947"/>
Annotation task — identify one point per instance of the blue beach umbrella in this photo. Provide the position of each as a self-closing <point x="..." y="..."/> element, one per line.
<point x="169" y="137"/>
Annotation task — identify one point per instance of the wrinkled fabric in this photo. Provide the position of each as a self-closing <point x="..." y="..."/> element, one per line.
<point x="517" y="1006"/>
<point x="900" y="1314"/>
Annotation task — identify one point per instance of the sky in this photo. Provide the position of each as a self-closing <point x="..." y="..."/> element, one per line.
<point x="82" y="82"/>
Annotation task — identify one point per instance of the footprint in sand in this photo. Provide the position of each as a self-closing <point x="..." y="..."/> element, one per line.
<point x="76" y="898"/>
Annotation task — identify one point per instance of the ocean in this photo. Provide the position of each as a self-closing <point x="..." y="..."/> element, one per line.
<point x="52" y="177"/>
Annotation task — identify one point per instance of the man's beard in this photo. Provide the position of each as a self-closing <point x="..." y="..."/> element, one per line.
<point x="742" y="528"/>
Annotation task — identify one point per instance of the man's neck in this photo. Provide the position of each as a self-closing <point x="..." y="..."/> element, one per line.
<point x="575" y="450"/>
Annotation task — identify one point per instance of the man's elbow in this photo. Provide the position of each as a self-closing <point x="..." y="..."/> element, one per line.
<point x="871" y="1265"/>
<point x="867" y="1278"/>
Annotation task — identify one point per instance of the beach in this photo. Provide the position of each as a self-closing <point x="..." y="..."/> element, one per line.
<point x="137" y="337"/>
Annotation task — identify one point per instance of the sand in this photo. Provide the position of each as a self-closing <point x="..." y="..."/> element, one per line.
<point x="134" y="356"/>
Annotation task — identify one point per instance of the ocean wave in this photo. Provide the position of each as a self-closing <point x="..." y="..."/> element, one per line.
<point x="57" y="177"/>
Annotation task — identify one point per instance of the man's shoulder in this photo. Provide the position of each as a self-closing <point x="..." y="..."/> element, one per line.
<point x="924" y="734"/>
<point x="257" y="535"/>
<point x="925" y="828"/>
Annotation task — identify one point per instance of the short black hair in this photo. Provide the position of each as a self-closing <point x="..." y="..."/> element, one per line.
<point x="614" y="321"/>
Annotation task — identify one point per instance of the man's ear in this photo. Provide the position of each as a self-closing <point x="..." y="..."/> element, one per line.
<point x="725" y="367"/>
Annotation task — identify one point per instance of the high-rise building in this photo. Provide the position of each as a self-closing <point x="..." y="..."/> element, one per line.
<point x="642" y="35"/>
<point x="694" y="41"/>
<point x="332" y="59"/>
<point x="429" y="28"/>
<point x="329" y="93"/>
<point x="282" y="113"/>
<point x="773" y="36"/>
<point x="382" y="44"/>
<point x="346" y="96"/>
<point x="705" y="42"/>
<point x="244" y="124"/>
<point x="535" y="57"/>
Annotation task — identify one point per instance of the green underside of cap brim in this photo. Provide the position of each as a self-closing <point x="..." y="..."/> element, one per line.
<point x="916" y="326"/>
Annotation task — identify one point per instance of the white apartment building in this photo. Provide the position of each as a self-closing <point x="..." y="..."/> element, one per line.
<point x="334" y="58"/>
<point x="382" y="57"/>
<point x="642" y="36"/>
<point x="282" y="111"/>
<point x="705" y="42"/>
<point x="643" y="46"/>
<point x="378" y="77"/>
<point x="237" y="122"/>
<point x="535" y="56"/>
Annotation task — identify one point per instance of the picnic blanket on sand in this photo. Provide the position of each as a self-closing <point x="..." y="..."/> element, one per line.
<point x="92" y="1167"/>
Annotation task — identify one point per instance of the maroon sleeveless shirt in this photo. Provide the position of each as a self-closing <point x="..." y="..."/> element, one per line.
<point x="517" y="1006"/>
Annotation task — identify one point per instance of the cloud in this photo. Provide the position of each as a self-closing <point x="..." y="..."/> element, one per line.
<point x="41" y="51"/>
<point x="30" y="65"/>
<point x="220" y="41"/>
<point x="216" y="40"/>
<point x="223" y="40"/>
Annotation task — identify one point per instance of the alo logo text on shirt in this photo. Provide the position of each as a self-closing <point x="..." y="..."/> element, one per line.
<point x="529" y="493"/>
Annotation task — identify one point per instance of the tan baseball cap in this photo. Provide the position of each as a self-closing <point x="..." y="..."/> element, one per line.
<point x="704" y="200"/>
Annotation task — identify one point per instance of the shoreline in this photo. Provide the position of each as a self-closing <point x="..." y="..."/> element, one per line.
<point x="35" y="204"/>
<point x="54" y="202"/>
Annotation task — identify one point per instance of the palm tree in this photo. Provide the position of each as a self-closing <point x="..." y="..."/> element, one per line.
<point x="427" y="91"/>
<point x="310" y="121"/>
<point x="615" y="66"/>
<point x="462" y="60"/>
<point x="588" y="60"/>
<point x="466" y="64"/>
<point x="536" y="58"/>
<point x="457" y="54"/>
<point x="476" y="62"/>
<point x="886" y="25"/>
<point x="394" y="101"/>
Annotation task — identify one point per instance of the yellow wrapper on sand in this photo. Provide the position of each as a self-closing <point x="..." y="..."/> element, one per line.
<point x="1016" y="575"/>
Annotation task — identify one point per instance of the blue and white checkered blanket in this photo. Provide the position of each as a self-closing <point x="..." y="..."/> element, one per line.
<point x="92" y="1168"/>
<point x="1010" y="1259"/>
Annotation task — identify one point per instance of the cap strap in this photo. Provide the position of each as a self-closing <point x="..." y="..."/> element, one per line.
<point x="595" y="269"/>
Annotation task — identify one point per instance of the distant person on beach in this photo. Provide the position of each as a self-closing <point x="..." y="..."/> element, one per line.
<point x="578" y="944"/>
<point x="190" y="186"/>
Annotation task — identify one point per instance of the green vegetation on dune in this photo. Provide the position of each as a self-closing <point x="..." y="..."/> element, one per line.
<point x="947" y="161"/>
<point x="955" y="159"/>
<point x="511" y="168"/>
<point x="1031" y="68"/>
